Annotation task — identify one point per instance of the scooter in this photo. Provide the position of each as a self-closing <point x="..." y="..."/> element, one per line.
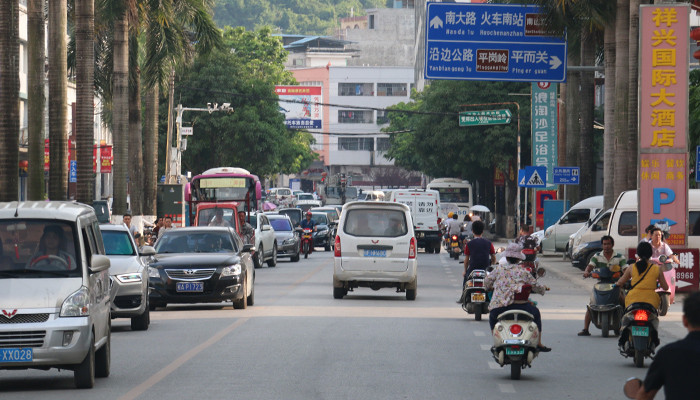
<point x="455" y="250"/>
<point x="307" y="242"/>
<point x="475" y="299"/>
<point x="667" y="296"/>
<point x="639" y="338"/>
<point x="606" y="311"/>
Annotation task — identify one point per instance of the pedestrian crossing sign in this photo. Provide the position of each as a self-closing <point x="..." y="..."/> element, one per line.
<point x="532" y="177"/>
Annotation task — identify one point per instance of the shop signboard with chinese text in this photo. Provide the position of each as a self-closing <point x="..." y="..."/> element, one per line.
<point x="301" y="106"/>
<point x="663" y="119"/>
<point x="687" y="277"/>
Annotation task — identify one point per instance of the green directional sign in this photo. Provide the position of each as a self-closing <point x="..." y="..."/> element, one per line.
<point x="485" y="117"/>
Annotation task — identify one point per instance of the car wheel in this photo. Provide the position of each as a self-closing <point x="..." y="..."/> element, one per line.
<point x="141" y="322"/>
<point x="242" y="303"/>
<point x="103" y="358"/>
<point x="436" y="248"/>
<point x="295" y="258"/>
<point x="258" y="259"/>
<point x="273" y="261"/>
<point x="339" y="292"/>
<point x="84" y="373"/>
<point x="251" y="298"/>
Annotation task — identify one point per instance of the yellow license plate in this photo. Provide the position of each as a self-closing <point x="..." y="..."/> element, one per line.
<point x="480" y="297"/>
<point x="455" y="244"/>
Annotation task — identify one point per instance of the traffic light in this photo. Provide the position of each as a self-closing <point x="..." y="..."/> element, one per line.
<point x="695" y="35"/>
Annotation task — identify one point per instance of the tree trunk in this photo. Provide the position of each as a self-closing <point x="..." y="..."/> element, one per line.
<point x="573" y="128"/>
<point x="621" y="95"/>
<point x="58" y="101"/>
<point x="85" y="110"/>
<point x="609" y="157"/>
<point x="587" y="178"/>
<point x="633" y="129"/>
<point x="120" y="118"/>
<point x="9" y="99"/>
<point x="562" y="135"/>
<point x="150" y="154"/>
<point x="36" y="100"/>
<point x="135" y="140"/>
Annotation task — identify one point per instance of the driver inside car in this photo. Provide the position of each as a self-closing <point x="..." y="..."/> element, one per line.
<point x="52" y="254"/>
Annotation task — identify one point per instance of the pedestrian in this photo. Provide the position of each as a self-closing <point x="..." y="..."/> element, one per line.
<point x="159" y="224"/>
<point x="167" y="224"/>
<point x="247" y="231"/>
<point x="126" y="219"/>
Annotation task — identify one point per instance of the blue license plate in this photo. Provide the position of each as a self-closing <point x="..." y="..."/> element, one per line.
<point x="375" y="253"/>
<point x="16" y="355"/>
<point x="189" y="286"/>
<point x="640" y="331"/>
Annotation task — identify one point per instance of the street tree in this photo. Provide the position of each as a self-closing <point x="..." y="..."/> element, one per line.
<point x="36" y="99"/>
<point x="9" y="99"/>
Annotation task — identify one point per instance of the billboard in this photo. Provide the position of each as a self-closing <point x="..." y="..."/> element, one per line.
<point x="301" y="106"/>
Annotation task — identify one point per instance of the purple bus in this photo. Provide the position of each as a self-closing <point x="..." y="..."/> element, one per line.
<point x="224" y="184"/>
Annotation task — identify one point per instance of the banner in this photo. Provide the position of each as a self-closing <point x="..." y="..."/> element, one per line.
<point x="301" y="106"/>
<point x="105" y="159"/>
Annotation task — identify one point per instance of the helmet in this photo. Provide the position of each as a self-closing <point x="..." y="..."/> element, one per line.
<point x="308" y="213"/>
<point x="450" y="214"/>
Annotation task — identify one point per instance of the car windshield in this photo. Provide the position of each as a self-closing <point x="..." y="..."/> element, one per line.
<point x="280" y="224"/>
<point x="294" y="215"/>
<point x="204" y="241"/>
<point x="34" y="248"/>
<point x="331" y="214"/>
<point x="319" y="218"/>
<point x="375" y="223"/>
<point x="118" y="243"/>
<point x="207" y="216"/>
<point x="305" y="196"/>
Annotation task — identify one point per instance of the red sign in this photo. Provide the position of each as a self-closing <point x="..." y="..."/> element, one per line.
<point x="688" y="271"/>
<point x="541" y="196"/>
<point x="106" y="159"/>
<point x="46" y="154"/>
<point x="499" y="178"/>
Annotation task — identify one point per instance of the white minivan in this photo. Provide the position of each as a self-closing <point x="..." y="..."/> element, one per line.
<point x="375" y="247"/>
<point x="556" y="237"/>
<point x="425" y="207"/>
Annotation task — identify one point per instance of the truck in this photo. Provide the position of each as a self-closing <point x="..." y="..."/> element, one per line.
<point x="425" y="209"/>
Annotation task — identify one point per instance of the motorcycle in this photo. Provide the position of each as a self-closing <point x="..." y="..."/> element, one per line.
<point x="667" y="296"/>
<point x="307" y="242"/>
<point x="639" y="337"/>
<point x="516" y="336"/>
<point x="454" y="248"/>
<point x="606" y="311"/>
<point x="475" y="299"/>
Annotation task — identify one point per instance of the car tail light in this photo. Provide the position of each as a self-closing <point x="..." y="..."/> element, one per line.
<point x="641" y="315"/>
<point x="516" y="329"/>
<point x="336" y="246"/>
<point x="412" y="248"/>
<point x="439" y="220"/>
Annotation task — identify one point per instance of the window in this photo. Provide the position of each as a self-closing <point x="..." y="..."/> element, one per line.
<point x="355" y="89"/>
<point x="384" y="223"/>
<point x="391" y="89"/>
<point x="371" y="22"/>
<point x="576" y="216"/>
<point x="355" y="116"/>
<point x="383" y="144"/>
<point x="350" y="143"/>
<point x="628" y="224"/>
<point x="602" y="223"/>
<point x="118" y="243"/>
<point x="694" y="223"/>
<point x="382" y="117"/>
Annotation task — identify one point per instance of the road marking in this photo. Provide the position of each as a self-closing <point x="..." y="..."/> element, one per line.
<point x="479" y="333"/>
<point x="170" y="368"/>
<point x="506" y="388"/>
<point x="494" y="365"/>
<point x="486" y="347"/>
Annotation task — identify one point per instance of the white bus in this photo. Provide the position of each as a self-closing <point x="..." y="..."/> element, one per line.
<point x="455" y="195"/>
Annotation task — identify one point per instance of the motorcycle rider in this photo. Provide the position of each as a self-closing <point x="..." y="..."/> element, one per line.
<point x="659" y="247"/>
<point x="479" y="252"/>
<point x="308" y="223"/>
<point x="644" y="276"/>
<point x="676" y="365"/>
<point x="607" y="258"/>
<point x="453" y="227"/>
<point x="507" y="280"/>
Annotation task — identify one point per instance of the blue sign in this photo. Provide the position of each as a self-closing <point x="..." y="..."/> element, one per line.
<point x="566" y="175"/>
<point x="492" y="42"/>
<point x="697" y="164"/>
<point x="533" y="177"/>
<point x="73" y="177"/>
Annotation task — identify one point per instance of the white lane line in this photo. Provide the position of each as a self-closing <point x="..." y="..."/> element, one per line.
<point x="486" y="347"/>
<point x="494" y="365"/>
<point x="506" y="388"/>
<point x="479" y="333"/>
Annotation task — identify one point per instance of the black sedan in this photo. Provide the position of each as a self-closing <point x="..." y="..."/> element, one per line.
<point x="325" y="233"/>
<point x="201" y="265"/>
<point x="581" y="255"/>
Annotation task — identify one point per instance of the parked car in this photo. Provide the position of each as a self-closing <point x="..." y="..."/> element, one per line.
<point x="128" y="274"/>
<point x="583" y="253"/>
<point x="295" y="214"/>
<point x="376" y="254"/>
<point x="325" y="233"/>
<point x="288" y="242"/>
<point x="54" y="290"/>
<point x="556" y="237"/>
<point x="591" y="231"/>
<point x="201" y="265"/>
<point x="265" y="242"/>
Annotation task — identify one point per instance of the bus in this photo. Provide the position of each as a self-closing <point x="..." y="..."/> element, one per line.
<point x="455" y="196"/>
<point x="224" y="184"/>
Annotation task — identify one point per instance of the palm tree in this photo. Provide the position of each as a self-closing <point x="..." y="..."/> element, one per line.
<point x="36" y="100"/>
<point x="622" y="152"/>
<point x="120" y="106"/>
<point x="85" y="84"/>
<point x="608" y="135"/>
<point x="9" y="99"/>
<point x="58" y="98"/>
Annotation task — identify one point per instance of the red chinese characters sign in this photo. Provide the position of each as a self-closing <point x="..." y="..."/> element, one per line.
<point x="663" y="118"/>
<point x="105" y="157"/>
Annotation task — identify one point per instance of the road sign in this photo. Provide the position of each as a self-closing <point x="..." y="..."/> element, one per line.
<point x="697" y="164"/>
<point x="532" y="177"/>
<point x="566" y="175"/>
<point x="494" y="42"/>
<point x="73" y="176"/>
<point x="485" y="117"/>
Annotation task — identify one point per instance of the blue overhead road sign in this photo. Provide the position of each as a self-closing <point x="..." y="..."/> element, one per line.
<point x="566" y="175"/>
<point x="492" y="42"/>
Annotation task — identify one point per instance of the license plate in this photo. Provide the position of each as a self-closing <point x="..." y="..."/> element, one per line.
<point x="511" y="351"/>
<point x="16" y="355"/>
<point x="189" y="286"/>
<point x="455" y="244"/>
<point x="640" y="331"/>
<point x="375" y="253"/>
<point x="478" y="297"/>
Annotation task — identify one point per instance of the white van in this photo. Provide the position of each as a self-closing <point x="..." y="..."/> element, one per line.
<point x="425" y="207"/>
<point x="556" y="237"/>
<point x="623" y="222"/>
<point x="590" y="231"/>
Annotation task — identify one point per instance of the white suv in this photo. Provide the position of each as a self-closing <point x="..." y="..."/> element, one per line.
<point x="375" y="247"/>
<point x="265" y="241"/>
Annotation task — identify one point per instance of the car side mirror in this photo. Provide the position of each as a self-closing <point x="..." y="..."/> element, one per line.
<point x="99" y="263"/>
<point x="248" y="248"/>
<point x="147" y="251"/>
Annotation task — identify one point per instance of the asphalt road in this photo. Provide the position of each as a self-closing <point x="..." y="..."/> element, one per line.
<point x="297" y="342"/>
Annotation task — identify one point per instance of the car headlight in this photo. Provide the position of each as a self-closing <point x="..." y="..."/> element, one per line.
<point x="153" y="272"/>
<point x="77" y="304"/>
<point x="549" y="231"/>
<point x="578" y="248"/>
<point x="231" y="270"/>
<point x="290" y="241"/>
<point x="129" y="278"/>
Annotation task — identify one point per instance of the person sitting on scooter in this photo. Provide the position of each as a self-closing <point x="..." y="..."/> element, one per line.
<point x="452" y="226"/>
<point x="308" y="223"/>
<point x="607" y="258"/>
<point x="659" y="247"/>
<point x="479" y="252"/>
<point x="644" y="276"/>
<point x="507" y="281"/>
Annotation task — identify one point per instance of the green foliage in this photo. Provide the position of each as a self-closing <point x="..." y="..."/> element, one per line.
<point x="306" y="17"/>
<point x="438" y="146"/>
<point x="254" y="137"/>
